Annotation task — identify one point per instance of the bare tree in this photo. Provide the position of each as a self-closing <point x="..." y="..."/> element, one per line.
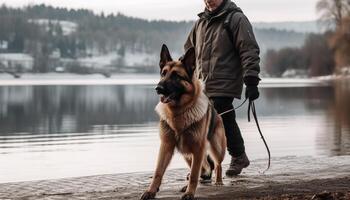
<point x="340" y="42"/>
<point x="333" y="10"/>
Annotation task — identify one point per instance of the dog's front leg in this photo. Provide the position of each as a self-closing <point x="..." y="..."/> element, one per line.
<point x="197" y="159"/>
<point x="166" y="152"/>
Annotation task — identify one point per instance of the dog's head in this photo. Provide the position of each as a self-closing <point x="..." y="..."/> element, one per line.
<point x="176" y="83"/>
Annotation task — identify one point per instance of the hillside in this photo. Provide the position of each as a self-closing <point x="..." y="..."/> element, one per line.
<point x="301" y="27"/>
<point x="43" y="31"/>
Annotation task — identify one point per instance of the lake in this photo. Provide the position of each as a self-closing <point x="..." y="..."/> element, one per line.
<point x="55" y="130"/>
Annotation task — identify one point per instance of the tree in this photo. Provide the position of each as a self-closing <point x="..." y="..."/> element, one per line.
<point x="271" y="59"/>
<point x="319" y="56"/>
<point x="121" y="51"/>
<point x="315" y="57"/>
<point x="277" y="62"/>
<point x="333" y="10"/>
<point x="340" y="42"/>
<point x="338" y="12"/>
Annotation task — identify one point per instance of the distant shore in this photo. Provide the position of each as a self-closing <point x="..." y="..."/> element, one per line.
<point x="289" y="178"/>
<point x="136" y="79"/>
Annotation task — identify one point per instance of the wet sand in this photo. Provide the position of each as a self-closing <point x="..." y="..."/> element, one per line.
<point x="288" y="178"/>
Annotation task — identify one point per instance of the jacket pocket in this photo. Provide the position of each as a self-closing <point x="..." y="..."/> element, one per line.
<point x="229" y="76"/>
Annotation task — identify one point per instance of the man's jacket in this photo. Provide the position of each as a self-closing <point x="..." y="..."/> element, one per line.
<point x="223" y="62"/>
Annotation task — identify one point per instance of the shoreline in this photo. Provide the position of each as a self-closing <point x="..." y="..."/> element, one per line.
<point x="289" y="178"/>
<point x="138" y="79"/>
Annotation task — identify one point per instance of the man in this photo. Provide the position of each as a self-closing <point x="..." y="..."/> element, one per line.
<point x="227" y="55"/>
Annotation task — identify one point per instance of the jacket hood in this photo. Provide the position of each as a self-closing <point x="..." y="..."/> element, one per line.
<point x="228" y="7"/>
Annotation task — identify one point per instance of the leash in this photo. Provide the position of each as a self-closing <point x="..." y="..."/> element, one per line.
<point x="251" y="107"/>
<point x="230" y="110"/>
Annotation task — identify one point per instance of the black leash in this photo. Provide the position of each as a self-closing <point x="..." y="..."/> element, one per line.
<point x="251" y="107"/>
<point x="227" y="111"/>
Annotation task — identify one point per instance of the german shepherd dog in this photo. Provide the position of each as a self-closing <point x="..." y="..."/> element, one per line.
<point x="185" y="116"/>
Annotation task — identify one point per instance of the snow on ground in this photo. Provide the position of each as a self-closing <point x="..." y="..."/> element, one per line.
<point x="132" y="59"/>
<point x="68" y="27"/>
<point x="99" y="61"/>
<point x="140" y="59"/>
<point x="16" y="56"/>
<point x="12" y="60"/>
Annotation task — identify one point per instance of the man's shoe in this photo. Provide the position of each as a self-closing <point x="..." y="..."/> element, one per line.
<point x="237" y="164"/>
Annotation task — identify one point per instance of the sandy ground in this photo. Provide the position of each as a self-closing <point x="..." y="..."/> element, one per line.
<point x="289" y="178"/>
<point x="315" y="189"/>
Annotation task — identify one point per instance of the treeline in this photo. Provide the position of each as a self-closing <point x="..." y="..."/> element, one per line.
<point x="321" y="54"/>
<point x="314" y="58"/>
<point x="98" y="33"/>
<point x="105" y="33"/>
<point x="41" y="31"/>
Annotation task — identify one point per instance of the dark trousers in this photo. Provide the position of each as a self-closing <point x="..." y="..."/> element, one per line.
<point x="235" y="142"/>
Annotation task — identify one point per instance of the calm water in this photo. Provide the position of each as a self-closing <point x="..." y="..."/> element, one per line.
<point x="64" y="131"/>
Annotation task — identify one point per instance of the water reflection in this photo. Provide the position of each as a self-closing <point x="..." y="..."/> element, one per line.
<point x="295" y="101"/>
<point x="338" y="135"/>
<point x="103" y="109"/>
<point x="86" y="130"/>
<point x="62" y="109"/>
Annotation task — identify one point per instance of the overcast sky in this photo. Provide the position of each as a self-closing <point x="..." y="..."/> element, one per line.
<point x="256" y="10"/>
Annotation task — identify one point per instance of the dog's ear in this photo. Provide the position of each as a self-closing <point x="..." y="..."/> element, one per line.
<point x="164" y="56"/>
<point x="189" y="61"/>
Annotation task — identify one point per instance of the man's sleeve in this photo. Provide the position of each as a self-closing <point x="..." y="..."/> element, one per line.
<point x="246" y="45"/>
<point x="190" y="42"/>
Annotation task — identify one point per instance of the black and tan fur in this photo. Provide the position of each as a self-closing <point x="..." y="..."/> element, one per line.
<point x="185" y="114"/>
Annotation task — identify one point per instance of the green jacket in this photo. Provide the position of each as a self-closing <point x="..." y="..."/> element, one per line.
<point x="222" y="62"/>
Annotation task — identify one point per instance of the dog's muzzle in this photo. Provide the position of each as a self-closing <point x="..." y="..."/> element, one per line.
<point x="165" y="97"/>
<point x="160" y="89"/>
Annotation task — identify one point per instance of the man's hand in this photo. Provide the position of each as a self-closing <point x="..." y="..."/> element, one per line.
<point x="251" y="92"/>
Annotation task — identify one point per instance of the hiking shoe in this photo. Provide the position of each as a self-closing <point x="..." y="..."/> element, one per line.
<point x="237" y="164"/>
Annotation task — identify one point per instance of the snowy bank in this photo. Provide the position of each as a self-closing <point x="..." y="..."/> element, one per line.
<point x="134" y="79"/>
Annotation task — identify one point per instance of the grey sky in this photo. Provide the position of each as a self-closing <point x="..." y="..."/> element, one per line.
<point x="256" y="10"/>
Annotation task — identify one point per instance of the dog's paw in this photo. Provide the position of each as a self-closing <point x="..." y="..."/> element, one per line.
<point x="148" y="195"/>
<point x="219" y="183"/>
<point x="187" y="197"/>
<point x="183" y="189"/>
